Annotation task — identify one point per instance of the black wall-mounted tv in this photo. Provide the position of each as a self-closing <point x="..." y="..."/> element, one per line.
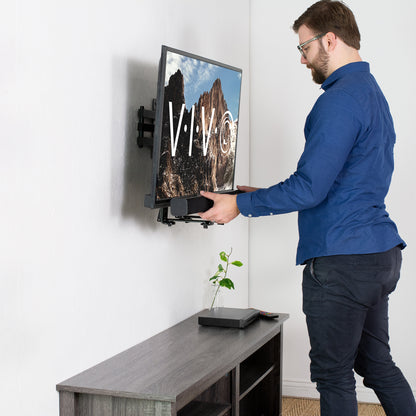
<point x="196" y="127"/>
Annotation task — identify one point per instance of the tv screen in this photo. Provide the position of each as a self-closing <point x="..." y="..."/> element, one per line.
<point x="196" y="127"/>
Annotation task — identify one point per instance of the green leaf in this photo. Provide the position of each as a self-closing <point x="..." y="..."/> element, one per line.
<point x="223" y="256"/>
<point x="220" y="268"/>
<point x="237" y="263"/>
<point x="213" y="278"/>
<point x="228" y="283"/>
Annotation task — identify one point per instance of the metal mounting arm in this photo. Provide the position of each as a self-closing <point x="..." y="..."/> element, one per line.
<point x="163" y="219"/>
<point x="146" y="125"/>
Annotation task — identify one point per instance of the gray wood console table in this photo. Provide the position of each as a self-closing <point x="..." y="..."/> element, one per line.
<point x="187" y="370"/>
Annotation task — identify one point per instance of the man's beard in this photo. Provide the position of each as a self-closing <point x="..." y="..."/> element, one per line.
<point x="320" y="67"/>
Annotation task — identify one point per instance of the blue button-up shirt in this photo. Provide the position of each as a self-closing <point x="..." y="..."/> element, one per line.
<point x="344" y="172"/>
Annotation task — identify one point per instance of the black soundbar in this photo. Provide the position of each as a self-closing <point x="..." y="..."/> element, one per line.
<point x="179" y="207"/>
<point x="182" y="206"/>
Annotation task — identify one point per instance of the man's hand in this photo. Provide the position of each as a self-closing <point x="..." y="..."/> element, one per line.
<point x="224" y="210"/>
<point x="246" y="188"/>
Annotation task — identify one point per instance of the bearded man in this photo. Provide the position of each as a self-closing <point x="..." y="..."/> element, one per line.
<point x="350" y="247"/>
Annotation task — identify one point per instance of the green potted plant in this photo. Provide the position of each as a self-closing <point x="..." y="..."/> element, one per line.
<point x="220" y="278"/>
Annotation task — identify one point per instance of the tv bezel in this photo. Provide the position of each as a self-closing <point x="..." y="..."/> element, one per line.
<point x="150" y="199"/>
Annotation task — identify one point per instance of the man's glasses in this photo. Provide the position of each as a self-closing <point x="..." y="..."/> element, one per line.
<point x="300" y="47"/>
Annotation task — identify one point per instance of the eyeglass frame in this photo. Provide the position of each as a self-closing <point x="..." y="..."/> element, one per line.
<point x="300" y="47"/>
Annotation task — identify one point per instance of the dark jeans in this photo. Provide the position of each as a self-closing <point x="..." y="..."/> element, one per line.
<point x="345" y="300"/>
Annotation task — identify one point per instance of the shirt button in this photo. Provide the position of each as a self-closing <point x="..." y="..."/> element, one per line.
<point x="250" y="215"/>
<point x="271" y="213"/>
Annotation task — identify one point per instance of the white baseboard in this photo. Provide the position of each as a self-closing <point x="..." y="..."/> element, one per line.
<point x="302" y="388"/>
<point x="299" y="388"/>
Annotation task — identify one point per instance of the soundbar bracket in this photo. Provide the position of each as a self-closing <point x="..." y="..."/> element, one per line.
<point x="164" y="219"/>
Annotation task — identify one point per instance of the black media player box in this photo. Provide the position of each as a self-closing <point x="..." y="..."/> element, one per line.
<point x="228" y="317"/>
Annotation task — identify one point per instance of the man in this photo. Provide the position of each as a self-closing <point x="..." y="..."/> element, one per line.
<point x="350" y="246"/>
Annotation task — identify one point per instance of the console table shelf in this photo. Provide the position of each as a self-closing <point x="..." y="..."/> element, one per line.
<point x="187" y="370"/>
<point x="254" y="376"/>
<point x="205" y="409"/>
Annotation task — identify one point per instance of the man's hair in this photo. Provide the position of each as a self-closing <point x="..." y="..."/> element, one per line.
<point x="331" y="16"/>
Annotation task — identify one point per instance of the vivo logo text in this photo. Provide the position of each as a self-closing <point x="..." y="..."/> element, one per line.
<point x="227" y="125"/>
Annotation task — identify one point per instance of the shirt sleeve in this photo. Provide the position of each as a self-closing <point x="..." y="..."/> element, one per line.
<point x="331" y="130"/>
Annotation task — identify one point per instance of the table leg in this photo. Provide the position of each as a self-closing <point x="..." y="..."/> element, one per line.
<point x="66" y="403"/>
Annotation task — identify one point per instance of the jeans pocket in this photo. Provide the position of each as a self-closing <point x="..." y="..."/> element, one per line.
<point x="313" y="273"/>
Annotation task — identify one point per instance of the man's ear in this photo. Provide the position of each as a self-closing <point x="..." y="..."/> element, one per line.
<point x="330" y="40"/>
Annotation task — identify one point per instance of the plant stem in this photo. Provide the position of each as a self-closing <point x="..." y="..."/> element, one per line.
<point x="228" y="263"/>
<point x="213" y="300"/>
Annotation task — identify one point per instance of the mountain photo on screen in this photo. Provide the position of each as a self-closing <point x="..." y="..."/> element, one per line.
<point x="199" y="127"/>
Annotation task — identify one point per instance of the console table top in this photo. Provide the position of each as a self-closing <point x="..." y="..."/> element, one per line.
<point x="166" y="366"/>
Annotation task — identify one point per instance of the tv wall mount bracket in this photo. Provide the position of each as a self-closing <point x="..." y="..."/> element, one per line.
<point x="145" y="128"/>
<point x="146" y="125"/>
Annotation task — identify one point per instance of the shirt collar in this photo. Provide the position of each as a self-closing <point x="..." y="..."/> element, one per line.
<point x="343" y="70"/>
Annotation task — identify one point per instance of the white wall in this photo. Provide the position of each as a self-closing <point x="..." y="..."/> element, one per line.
<point x="281" y="95"/>
<point x="85" y="270"/>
